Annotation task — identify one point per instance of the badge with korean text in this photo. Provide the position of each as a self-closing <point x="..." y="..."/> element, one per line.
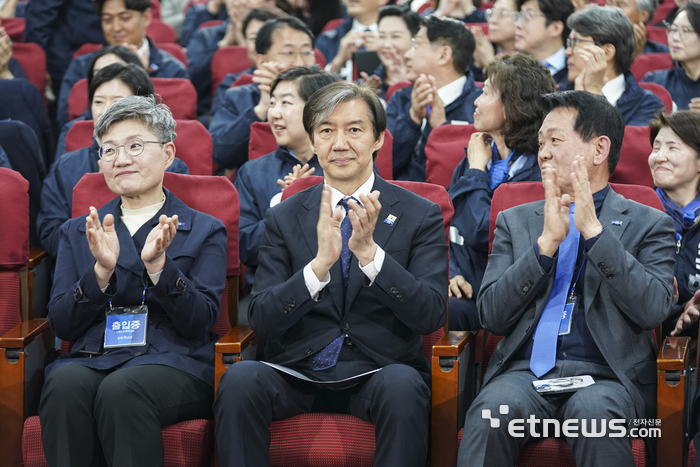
<point x="126" y="326"/>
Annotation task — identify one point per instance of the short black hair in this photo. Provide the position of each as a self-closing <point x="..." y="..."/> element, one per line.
<point x="136" y="5"/>
<point x="263" y="41"/>
<point x="554" y="10"/>
<point x="693" y="10"/>
<point x="134" y="76"/>
<point x="307" y="79"/>
<point x="261" y="14"/>
<point x="607" y="25"/>
<point x="410" y="17"/>
<point x="596" y="117"/>
<point x="120" y="51"/>
<point x="456" y="36"/>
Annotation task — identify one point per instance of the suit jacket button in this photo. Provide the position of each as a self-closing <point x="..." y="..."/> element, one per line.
<point x="346" y="326"/>
<point x="292" y="304"/>
<point x="499" y="363"/>
<point x="393" y="290"/>
<point x="527" y="329"/>
<point x="525" y="289"/>
<point x="309" y="351"/>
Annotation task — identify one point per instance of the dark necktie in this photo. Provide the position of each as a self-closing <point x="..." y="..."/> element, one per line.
<point x="328" y="357"/>
<point x="544" y="348"/>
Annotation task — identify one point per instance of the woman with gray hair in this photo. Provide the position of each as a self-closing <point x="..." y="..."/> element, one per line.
<point x="138" y="287"/>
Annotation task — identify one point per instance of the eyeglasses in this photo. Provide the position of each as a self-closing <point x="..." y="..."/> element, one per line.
<point x="671" y="29"/>
<point x="525" y="16"/>
<point x="133" y="147"/>
<point x="572" y="42"/>
<point x="498" y="14"/>
<point x="288" y="56"/>
<point x="415" y="43"/>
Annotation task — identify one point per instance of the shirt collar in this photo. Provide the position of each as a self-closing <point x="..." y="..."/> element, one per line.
<point x="357" y="26"/>
<point x="599" y="197"/>
<point x="556" y="62"/>
<point x="145" y="49"/>
<point x="364" y="189"/>
<point x="613" y="89"/>
<point x="450" y="92"/>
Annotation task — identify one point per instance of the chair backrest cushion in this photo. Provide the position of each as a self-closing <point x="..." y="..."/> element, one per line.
<point x="633" y="167"/>
<point x="444" y="150"/>
<point x="14" y="212"/>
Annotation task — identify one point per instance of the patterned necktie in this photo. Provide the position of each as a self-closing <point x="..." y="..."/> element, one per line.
<point x="328" y="357"/>
<point x="544" y="349"/>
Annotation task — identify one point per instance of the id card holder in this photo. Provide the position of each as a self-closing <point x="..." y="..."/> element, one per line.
<point x="565" y="323"/>
<point x="126" y="326"/>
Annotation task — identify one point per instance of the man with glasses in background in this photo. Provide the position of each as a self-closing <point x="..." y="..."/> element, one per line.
<point x="281" y="43"/>
<point x="599" y="52"/>
<point x="541" y="30"/>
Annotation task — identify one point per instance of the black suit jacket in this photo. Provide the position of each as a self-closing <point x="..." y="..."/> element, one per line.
<point x="385" y="320"/>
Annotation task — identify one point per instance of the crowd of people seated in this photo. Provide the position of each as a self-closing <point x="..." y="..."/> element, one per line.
<point x="343" y="279"/>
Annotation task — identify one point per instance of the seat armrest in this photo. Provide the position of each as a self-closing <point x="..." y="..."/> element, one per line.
<point x="672" y="369"/>
<point x="453" y="388"/>
<point x="231" y="348"/>
<point x="23" y="334"/>
<point x="36" y="256"/>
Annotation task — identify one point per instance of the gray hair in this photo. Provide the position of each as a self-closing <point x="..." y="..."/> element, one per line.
<point x="607" y="25"/>
<point x="648" y="5"/>
<point x="145" y="109"/>
<point x="323" y="102"/>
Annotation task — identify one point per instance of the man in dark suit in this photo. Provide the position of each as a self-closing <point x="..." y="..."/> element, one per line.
<point x="613" y="277"/>
<point x="338" y="294"/>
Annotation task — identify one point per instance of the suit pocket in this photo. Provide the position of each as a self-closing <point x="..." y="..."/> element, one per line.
<point x="646" y="372"/>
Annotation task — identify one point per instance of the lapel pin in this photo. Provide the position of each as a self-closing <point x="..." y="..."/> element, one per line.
<point x="180" y="224"/>
<point x="616" y="222"/>
<point x="390" y="219"/>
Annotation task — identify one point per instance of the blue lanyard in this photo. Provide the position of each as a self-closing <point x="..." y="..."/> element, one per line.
<point x="143" y="298"/>
<point x="578" y="275"/>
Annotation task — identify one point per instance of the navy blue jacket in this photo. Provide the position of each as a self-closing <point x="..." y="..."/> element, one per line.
<point x="380" y="72"/>
<point x="195" y="17"/>
<point x="57" y="192"/>
<point x="180" y="317"/>
<point x="163" y="65"/>
<point x="16" y="69"/>
<point x="408" y="159"/>
<point x="22" y="101"/>
<point x="638" y="106"/>
<point x="677" y="83"/>
<point x="226" y="83"/>
<point x="256" y="182"/>
<point x="200" y="52"/>
<point x="61" y="146"/>
<point x="60" y="27"/>
<point x="230" y="125"/>
<point x="4" y="161"/>
<point x="655" y="47"/>
<point x="471" y="197"/>
<point x="329" y="42"/>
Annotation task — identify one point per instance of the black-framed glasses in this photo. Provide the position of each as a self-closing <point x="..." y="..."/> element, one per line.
<point x="671" y="29"/>
<point x="525" y="16"/>
<point x="133" y="147"/>
<point x="498" y="13"/>
<point x="572" y="42"/>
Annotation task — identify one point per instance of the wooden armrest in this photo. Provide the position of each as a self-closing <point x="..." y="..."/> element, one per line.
<point x="36" y="256"/>
<point x="23" y="334"/>
<point x="236" y="340"/>
<point x="452" y="343"/>
<point x="673" y="354"/>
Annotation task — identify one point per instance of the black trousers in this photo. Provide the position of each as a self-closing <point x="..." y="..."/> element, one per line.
<point x="86" y="413"/>
<point x="251" y="395"/>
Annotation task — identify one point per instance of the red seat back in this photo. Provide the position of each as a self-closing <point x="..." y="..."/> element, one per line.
<point x="633" y="167"/>
<point x="484" y="27"/>
<point x="242" y="80"/>
<point x="231" y="59"/>
<point x="193" y="143"/>
<point x="332" y="24"/>
<point x="33" y="60"/>
<point x="155" y="9"/>
<point x="444" y="150"/>
<point x="14" y="27"/>
<point x="175" y="50"/>
<point x="161" y="32"/>
<point x="320" y="59"/>
<point x="662" y="11"/>
<point x="177" y="93"/>
<point x="210" y="23"/>
<point x="661" y="93"/>
<point x="650" y="62"/>
<point x="87" y="48"/>
<point x="262" y="142"/>
<point x="395" y="87"/>
<point x="657" y="34"/>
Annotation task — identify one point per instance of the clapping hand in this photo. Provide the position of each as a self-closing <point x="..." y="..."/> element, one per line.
<point x="158" y="240"/>
<point x="104" y="245"/>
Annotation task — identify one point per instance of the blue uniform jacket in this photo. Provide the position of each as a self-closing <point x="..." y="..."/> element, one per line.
<point x="163" y="65"/>
<point x="60" y="27"/>
<point x="655" y="47"/>
<point x="195" y="17"/>
<point x="21" y="100"/>
<point x="329" y="42"/>
<point x="230" y="125"/>
<point x="16" y="69"/>
<point x="471" y="197"/>
<point x="677" y="83"/>
<point x="409" y="163"/>
<point x="200" y="52"/>
<point x="638" y="106"/>
<point x="225" y="84"/>
<point x="182" y="308"/>
<point x="57" y="192"/>
<point x="4" y="161"/>
<point x="256" y="182"/>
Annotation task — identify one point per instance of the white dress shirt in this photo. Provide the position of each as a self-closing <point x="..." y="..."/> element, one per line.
<point x="557" y="62"/>
<point x="614" y="89"/>
<point x="346" y="72"/>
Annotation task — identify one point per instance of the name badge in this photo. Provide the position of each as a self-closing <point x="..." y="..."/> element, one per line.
<point x="126" y="326"/>
<point x="565" y="324"/>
